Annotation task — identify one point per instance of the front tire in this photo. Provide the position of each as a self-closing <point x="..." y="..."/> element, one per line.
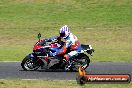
<point x="29" y="64"/>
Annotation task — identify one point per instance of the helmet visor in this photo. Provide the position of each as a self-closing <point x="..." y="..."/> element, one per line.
<point x="62" y="34"/>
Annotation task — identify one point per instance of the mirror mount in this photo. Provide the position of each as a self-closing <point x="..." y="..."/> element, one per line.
<point x="39" y="36"/>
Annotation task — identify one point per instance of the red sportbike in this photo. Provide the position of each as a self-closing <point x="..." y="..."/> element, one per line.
<point x="40" y="57"/>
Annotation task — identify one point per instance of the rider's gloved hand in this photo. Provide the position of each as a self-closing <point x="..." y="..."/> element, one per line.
<point x="53" y="54"/>
<point x="46" y="40"/>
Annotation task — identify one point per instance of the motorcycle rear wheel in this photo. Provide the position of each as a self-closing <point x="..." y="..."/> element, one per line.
<point x="83" y="60"/>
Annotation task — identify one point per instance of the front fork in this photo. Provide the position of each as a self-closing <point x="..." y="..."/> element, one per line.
<point x="36" y="60"/>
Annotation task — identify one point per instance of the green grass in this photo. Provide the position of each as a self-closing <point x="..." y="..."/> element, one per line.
<point x="105" y="24"/>
<point x="55" y="84"/>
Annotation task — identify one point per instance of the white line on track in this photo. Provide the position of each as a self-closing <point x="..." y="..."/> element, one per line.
<point x="8" y="61"/>
<point x="36" y="79"/>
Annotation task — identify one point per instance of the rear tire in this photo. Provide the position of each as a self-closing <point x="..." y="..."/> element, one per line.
<point x="86" y="58"/>
<point x="29" y="64"/>
<point x="83" y="60"/>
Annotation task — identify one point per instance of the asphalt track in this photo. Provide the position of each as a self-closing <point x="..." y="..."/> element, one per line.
<point x="13" y="70"/>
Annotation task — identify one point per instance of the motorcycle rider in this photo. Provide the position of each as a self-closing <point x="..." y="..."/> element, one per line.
<point x="71" y="42"/>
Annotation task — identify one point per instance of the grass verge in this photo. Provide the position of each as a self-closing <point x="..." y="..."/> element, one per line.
<point x="105" y="24"/>
<point x="55" y="84"/>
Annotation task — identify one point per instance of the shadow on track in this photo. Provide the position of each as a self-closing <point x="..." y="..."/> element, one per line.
<point x="49" y="70"/>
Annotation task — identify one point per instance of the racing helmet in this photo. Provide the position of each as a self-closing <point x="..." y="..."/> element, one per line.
<point x="64" y="31"/>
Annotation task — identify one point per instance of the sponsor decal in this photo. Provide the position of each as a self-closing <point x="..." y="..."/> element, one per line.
<point x="108" y="78"/>
<point x="83" y="78"/>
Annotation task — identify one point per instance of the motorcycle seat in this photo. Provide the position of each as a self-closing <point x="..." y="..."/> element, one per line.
<point x="85" y="47"/>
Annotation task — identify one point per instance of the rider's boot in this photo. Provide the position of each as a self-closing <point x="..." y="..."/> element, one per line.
<point x="66" y="65"/>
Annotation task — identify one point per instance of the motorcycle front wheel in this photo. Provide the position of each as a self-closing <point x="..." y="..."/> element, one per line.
<point x="29" y="64"/>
